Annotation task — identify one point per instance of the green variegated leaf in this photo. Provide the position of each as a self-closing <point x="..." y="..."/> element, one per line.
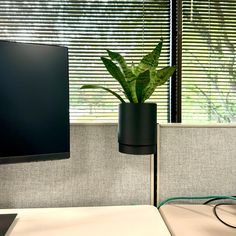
<point x="122" y="63"/>
<point x="164" y="74"/>
<point x="132" y="88"/>
<point x="115" y="71"/>
<point x="150" y="61"/>
<point x="157" y="78"/>
<point x="93" y="86"/>
<point x="141" y="83"/>
<point x="138" y="83"/>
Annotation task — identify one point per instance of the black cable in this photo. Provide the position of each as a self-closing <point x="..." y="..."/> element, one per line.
<point x="217" y="216"/>
<point x="214" y="199"/>
<point x="215" y="212"/>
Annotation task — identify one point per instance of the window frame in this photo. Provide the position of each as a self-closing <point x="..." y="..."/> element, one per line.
<point x="175" y="86"/>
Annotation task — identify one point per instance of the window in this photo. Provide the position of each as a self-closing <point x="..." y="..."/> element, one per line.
<point x="208" y="61"/>
<point x="88" y="28"/>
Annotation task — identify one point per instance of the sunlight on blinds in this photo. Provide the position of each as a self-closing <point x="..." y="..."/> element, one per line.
<point x="208" y="67"/>
<point x="88" y="28"/>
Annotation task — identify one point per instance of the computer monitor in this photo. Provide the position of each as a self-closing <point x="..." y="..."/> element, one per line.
<point x="34" y="102"/>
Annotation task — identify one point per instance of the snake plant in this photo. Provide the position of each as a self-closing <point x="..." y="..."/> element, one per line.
<point x="137" y="82"/>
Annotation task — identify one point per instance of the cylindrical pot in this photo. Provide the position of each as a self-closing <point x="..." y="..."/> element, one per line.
<point x="137" y="128"/>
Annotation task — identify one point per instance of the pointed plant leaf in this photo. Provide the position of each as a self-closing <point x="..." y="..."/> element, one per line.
<point x="123" y="93"/>
<point x="115" y="72"/>
<point x="122" y="63"/>
<point x="164" y="74"/>
<point x="141" y="83"/>
<point x="150" y="61"/>
<point x="132" y="88"/>
<point x="93" y="86"/>
<point x="133" y="69"/>
<point x="157" y="78"/>
<point x="117" y="57"/>
<point x="130" y="78"/>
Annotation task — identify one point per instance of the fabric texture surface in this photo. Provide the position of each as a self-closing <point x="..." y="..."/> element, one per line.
<point x="197" y="161"/>
<point x="95" y="175"/>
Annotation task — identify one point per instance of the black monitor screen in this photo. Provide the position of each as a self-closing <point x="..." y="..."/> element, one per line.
<point x="34" y="102"/>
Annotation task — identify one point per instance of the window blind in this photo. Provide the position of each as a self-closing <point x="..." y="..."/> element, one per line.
<point x="208" y="61"/>
<point x="89" y="27"/>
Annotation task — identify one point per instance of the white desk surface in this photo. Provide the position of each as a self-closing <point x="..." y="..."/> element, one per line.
<point x="88" y="221"/>
<point x="198" y="220"/>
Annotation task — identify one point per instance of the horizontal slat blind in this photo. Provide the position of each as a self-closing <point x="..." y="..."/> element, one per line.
<point x="88" y="28"/>
<point x="208" y="67"/>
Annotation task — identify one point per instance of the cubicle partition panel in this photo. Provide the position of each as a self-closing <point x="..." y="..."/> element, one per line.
<point x="196" y="160"/>
<point x="192" y="161"/>
<point x="96" y="174"/>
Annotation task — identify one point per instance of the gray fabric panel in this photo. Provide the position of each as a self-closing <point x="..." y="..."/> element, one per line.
<point x="197" y="161"/>
<point x="96" y="174"/>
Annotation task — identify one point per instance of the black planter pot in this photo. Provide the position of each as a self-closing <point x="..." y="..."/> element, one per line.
<point x="137" y="128"/>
